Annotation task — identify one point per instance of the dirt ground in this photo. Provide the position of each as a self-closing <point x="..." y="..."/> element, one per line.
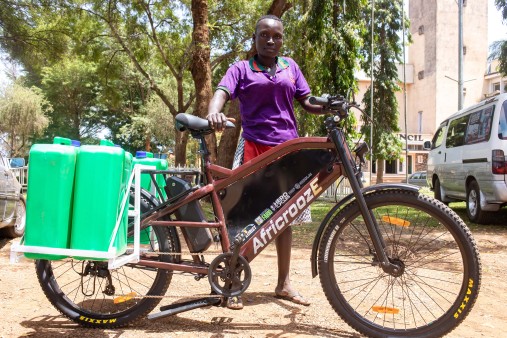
<point x="25" y="312"/>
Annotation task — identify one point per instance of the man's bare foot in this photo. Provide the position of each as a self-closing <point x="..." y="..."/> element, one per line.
<point x="292" y="296"/>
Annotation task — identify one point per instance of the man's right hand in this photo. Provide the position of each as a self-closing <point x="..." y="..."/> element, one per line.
<point x="217" y="121"/>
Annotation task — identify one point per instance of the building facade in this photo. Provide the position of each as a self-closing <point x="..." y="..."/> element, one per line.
<point x="431" y="75"/>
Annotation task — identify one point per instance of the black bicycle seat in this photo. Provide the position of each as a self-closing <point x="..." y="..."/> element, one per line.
<point x="193" y="123"/>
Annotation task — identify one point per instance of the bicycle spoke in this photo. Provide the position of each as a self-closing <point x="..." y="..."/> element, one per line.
<point x="430" y="264"/>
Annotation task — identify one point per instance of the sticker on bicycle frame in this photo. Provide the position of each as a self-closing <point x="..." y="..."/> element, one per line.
<point x="385" y="309"/>
<point x="266" y="214"/>
<point x="247" y="231"/>
<point x="280" y="201"/>
<point x="396" y="221"/>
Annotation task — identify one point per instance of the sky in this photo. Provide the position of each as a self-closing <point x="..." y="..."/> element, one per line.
<point x="497" y="30"/>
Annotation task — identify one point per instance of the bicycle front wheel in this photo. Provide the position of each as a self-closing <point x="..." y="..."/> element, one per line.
<point x="91" y="295"/>
<point x="440" y="267"/>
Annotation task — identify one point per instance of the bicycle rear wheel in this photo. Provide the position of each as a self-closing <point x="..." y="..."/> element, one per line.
<point x="93" y="296"/>
<point x="434" y="249"/>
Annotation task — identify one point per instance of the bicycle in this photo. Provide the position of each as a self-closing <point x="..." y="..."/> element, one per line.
<point x="391" y="261"/>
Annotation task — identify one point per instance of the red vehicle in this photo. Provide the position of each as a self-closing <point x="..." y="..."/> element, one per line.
<point x="391" y="261"/>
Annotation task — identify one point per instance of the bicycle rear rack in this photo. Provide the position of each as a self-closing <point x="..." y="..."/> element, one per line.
<point x="115" y="259"/>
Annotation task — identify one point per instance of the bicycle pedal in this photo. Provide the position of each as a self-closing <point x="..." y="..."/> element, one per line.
<point x="169" y="310"/>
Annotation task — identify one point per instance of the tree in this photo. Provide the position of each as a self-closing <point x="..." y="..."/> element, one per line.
<point x="23" y="114"/>
<point x="73" y="87"/>
<point x="387" y="51"/>
<point x="328" y="31"/>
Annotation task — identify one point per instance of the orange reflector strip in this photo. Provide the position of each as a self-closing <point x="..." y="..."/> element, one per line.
<point x="396" y="221"/>
<point x="383" y="309"/>
<point x="125" y="298"/>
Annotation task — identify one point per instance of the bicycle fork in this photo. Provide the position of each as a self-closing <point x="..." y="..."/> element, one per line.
<point x="338" y="139"/>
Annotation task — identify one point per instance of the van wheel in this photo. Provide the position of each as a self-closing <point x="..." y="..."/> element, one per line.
<point x="437" y="190"/>
<point x="474" y="211"/>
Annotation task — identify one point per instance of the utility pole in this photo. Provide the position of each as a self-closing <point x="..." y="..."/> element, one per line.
<point x="460" y="54"/>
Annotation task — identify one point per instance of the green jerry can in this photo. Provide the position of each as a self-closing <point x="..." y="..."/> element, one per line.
<point x="146" y="158"/>
<point x="49" y="196"/>
<point x="101" y="182"/>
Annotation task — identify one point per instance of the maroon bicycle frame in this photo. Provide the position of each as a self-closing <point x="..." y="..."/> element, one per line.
<point x="219" y="178"/>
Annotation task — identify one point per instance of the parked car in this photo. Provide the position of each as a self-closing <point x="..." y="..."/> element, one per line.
<point x="418" y="178"/>
<point x="12" y="202"/>
<point x="467" y="159"/>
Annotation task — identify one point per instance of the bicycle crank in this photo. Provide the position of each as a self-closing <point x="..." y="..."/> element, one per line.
<point x="227" y="280"/>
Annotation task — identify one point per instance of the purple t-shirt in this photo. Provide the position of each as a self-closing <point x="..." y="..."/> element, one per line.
<point x="266" y="102"/>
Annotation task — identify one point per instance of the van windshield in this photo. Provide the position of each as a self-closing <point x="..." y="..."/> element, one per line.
<point x="502" y="125"/>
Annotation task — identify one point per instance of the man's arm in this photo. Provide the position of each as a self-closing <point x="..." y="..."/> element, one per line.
<point x="215" y="117"/>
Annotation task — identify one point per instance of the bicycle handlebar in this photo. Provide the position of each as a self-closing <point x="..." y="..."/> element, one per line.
<point x="319" y="101"/>
<point x="338" y="105"/>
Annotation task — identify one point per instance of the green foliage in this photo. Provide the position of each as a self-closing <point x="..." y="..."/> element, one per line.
<point x="73" y="88"/>
<point x="387" y="52"/>
<point x="334" y="29"/>
<point x="324" y="38"/>
<point x="125" y="65"/>
<point x="23" y="112"/>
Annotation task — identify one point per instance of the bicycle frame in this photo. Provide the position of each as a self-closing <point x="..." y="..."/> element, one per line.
<point x="219" y="178"/>
<point x="268" y="225"/>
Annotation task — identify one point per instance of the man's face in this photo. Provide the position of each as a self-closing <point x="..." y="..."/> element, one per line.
<point x="268" y="37"/>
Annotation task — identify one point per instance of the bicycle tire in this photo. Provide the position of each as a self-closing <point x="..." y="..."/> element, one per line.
<point x="65" y="288"/>
<point x="441" y="277"/>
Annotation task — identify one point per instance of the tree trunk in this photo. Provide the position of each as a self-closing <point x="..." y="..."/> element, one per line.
<point x="180" y="148"/>
<point x="380" y="170"/>
<point x="147" y="142"/>
<point x="201" y="65"/>
<point x="229" y="139"/>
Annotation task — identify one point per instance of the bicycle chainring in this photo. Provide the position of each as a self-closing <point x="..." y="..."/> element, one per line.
<point x="229" y="281"/>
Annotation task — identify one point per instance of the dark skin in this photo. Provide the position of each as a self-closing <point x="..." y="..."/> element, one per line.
<point x="268" y="39"/>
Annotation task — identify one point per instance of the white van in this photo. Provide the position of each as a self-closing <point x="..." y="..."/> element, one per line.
<point x="467" y="158"/>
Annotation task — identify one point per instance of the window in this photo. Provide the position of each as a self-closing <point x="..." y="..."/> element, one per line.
<point x="479" y="126"/>
<point x="439" y="136"/>
<point x="421" y="30"/>
<point x="419" y="122"/>
<point x="456" y="133"/>
<point x="391" y="167"/>
<point x="420" y="75"/>
<point x="496" y="86"/>
<point x="502" y="124"/>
